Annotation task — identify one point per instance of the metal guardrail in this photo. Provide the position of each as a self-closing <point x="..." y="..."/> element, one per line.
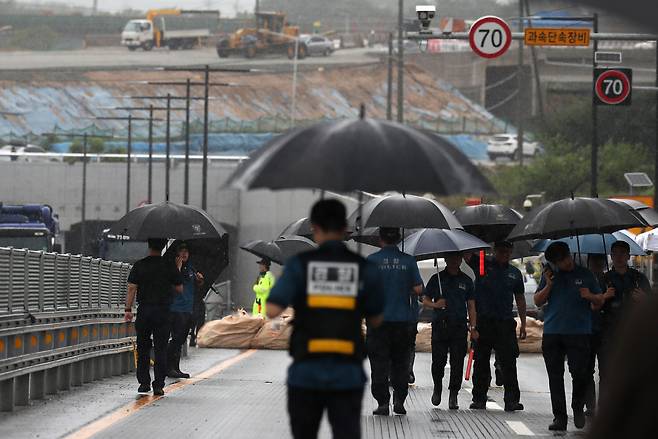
<point x="61" y="323"/>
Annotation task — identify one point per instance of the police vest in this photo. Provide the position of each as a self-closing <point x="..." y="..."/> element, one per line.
<point x="327" y="319"/>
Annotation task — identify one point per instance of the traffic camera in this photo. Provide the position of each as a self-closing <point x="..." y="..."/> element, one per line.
<point x="425" y="15"/>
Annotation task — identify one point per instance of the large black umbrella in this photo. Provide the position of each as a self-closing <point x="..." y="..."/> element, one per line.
<point x="639" y="208"/>
<point x="408" y="212"/>
<point x="370" y="235"/>
<point x="264" y="249"/>
<point x="361" y="154"/>
<point x="293" y="245"/>
<point x="436" y="243"/>
<point x="166" y="220"/>
<point x="489" y="222"/>
<point x="574" y="216"/>
<point x="301" y="227"/>
<point x="209" y="256"/>
<point x="281" y="250"/>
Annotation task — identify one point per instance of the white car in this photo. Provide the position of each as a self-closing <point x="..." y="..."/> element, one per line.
<point x="504" y="145"/>
<point x="9" y="153"/>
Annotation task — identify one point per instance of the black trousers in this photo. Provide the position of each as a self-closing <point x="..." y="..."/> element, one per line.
<point x="413" y="329"/>
<point x="594" y="354"/>
<point x="198" y="318"/>
<point x="306" y="407"/>
<point x="449" y="339"/>
<point x="389" y="350"/>
<point x="179" y="325"/>
<point x="501" y="336"/>
<point x="152" y="321"/>
<point x="575" y="348"/>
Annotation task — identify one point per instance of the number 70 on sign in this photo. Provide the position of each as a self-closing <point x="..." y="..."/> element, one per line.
<point x="490" y="37"/>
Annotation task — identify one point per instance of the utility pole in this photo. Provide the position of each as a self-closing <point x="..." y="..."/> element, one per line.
<point x="206" y="110"/>
<point x="655" y="175"/>
<point x="400" y="61"/>
<point x="594" y="171"/>
<point x="150" y="172"/>
<point x="168" y="146"/>
<point x="83" y="203"/>
<point x="129" y="150"/>
<point x="186" y="189"/>
<point x="535" y="68"/>
<point x="519" y="93"/>
<point x="389" y="79"/>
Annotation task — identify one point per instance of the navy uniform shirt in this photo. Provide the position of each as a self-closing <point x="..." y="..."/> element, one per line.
<point x="566" y="312"/>
<point x="329" y="373"/>
<point x="624" y="284"/>
<point x="495" y="291"/>
<point x="457" y="289"/>
<point x="398" y="274"/>
<point x="184" y="302"/>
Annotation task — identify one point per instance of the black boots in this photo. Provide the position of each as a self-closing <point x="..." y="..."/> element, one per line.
<point x="452" y="401"/>
<point x="436" y="396"/>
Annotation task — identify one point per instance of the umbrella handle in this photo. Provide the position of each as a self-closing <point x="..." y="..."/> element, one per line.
<point x="438" y="277"/>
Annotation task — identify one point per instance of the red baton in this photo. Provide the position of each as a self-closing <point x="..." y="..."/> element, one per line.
<point x="469" y="364"/>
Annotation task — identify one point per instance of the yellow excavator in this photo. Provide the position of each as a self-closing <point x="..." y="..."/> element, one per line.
<point x="271" y="35"/>
<point x="150" y="32"/>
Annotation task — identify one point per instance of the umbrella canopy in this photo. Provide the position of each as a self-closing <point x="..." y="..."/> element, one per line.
<point x="264" y="249"/>
<point x="301" y="227"/>
<point x="648" y="240"/>
<point x="523" y="249"/>
<point x="370" y="235"/>
<point x="209" y="256"/>
<point x="574" y="216"/>
<point x="292" y="245"/>
<point x="489" y="222"/>
<point x="590" y="244"/>
<point x="166" y="220"/>
<point x="409" y="212"/>
<point x="645" y="212"/>
<point x="435" y="243"/>
<point x="361" y="154"/>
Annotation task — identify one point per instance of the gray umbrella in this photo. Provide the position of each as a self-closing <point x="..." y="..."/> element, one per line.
<point x="436" y="243"/>
<point x="301" y="227"/>
<point x="264" y="249"/>
<point x="645" y="212"/>
<point x="361" y="154"/>
<point x="489" y="222"/>
<point x="293" y="245"/>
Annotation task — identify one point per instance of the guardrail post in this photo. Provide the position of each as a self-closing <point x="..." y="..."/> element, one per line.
<point x="99" y="368"/>
<point x="65" y="377"/>
<point x="89" y="370"/>
<point x="52" y="381"/>
<point x="38" y="384"/>
<point x="41" y="299"/>
<point x="22" y="390"/>
<point x="117" y="368"/>
<point x="77" y="373"/>
<point x="7" y="395"/>
<point x="10" y="299"/>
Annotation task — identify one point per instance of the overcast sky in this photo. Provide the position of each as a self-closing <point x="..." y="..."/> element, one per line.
<point x="227" y="7"/>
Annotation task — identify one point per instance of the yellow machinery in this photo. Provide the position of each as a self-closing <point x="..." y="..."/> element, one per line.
<point x="272" y="35"/>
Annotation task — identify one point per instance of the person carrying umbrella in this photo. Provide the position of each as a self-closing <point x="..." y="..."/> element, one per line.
<point x="331" y="289"/>
<point x="629" y="286"/>
<point x="151" y="281"/>
<point x="389" y="346"/>
<point x="570" y="293"/>
<point x="263" y="286"/>
<point x="181" y="311"/>
<point x="451" y="294"/>
<point x="495" y="290"/>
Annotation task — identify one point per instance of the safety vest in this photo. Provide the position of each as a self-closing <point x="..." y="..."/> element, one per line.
<point x="327" y="319"/>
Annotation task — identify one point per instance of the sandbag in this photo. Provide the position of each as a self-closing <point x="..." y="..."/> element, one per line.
<point x="275" y="333"/>
<point x="236" y="331"/>
<point x="424" y="338"/>
<point x="534" y="333"/>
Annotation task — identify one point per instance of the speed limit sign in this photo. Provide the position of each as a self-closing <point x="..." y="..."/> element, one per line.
<point x="613" y="86"/>
<point x="490" y="37"/>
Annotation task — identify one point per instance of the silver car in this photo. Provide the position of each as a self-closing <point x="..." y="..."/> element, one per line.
<point x="318" y="45"/>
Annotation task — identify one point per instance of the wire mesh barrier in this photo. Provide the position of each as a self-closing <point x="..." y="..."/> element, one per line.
<point x="61" y="323"/>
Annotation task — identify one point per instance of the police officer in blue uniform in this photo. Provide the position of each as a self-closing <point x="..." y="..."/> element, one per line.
<point x="451" y="301"/>
<point x="495" y="290"/>
<point x="331" y="289"/>
<point x="389" y="346"/>
<point x="570" y="294"/>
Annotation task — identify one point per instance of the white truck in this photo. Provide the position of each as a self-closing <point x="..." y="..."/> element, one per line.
<point x="152" y="31"/>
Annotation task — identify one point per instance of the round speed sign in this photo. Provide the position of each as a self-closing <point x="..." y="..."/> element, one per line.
<point x="613" y="86"/>
<point x="490" y="37"/>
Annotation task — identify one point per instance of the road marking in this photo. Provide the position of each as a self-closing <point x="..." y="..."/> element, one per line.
<point x="107" y="421"/>
<point x="493" y="406"/>
<point x="519" y="428"/>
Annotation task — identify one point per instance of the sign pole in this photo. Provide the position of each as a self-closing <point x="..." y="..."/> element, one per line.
<point x="655" y="175"/>
<point x="519" y="93"/>
<point x="594" y="170"/>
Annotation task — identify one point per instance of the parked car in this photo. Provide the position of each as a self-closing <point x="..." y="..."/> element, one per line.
<point x="317" y="45"/>
<point x="11" y="153"/>
<point x="505" y="145"/>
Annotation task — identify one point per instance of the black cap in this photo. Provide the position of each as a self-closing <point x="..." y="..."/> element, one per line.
<point x="265" y="261"/>
<point x="182" y="246"/>
<point x="503" y="244"/>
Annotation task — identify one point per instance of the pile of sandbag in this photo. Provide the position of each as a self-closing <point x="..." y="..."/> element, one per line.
<point x="236" y="331"/>
<point x="424" y="338"/>
<point x="275" y="333"/>
<point x="534" y="333"/>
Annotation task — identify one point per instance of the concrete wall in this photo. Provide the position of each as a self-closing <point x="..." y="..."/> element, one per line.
<point x="256" y="215"/>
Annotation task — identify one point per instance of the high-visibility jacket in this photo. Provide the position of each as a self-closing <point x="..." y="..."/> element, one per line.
<point x="262" y="289"/>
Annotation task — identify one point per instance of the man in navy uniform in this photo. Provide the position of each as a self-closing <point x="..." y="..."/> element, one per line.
<point x="495" y="291"/>
<point x="451" y="300"/>
<point x="389" y="346"/>
<point x="331" y="289"/>
<point x="570" y="294"/>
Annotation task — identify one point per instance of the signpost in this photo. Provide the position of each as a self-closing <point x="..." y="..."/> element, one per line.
<point x="539" y="36"/>
<point x="613" y="86"/>
<point x="490" y="37"/>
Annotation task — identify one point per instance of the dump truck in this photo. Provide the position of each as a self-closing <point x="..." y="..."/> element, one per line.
<point x="152" y="31"/>
<point x="29" y="226"/>
<point x="272" y="34"/>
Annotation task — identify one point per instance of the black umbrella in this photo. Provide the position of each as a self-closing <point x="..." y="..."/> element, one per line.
<point x="264" y="249"/>
<point x="361" y="154"/>
<point x="408" y="212"/>
<point x="645" y="212"/>
<point x="166" y="220"/>
<point x="489" y="222"/>
<point x="293" y="245"/>
<point x="209" y="256"/>
<point x="370" y="236"/>
<point x="301" y="227"/>
<point x="436" y="243"/>
<point x="574" y="216"/>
